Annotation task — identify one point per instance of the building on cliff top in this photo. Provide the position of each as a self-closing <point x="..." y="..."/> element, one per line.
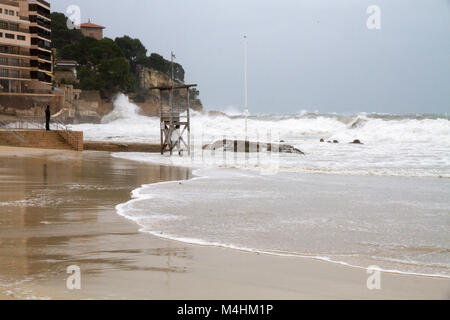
<point x="89" y="29"/>
<point x="25" y="46"/>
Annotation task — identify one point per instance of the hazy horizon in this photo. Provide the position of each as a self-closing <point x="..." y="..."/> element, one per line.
<point x="303" y="55"/>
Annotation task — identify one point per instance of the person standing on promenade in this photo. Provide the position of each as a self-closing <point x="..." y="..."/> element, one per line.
<point x="47" y="118"/>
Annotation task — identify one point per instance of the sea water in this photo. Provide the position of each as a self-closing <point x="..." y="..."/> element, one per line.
<point x="384" y="202"/>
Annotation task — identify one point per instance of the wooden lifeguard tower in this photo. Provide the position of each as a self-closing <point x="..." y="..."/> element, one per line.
<point x="175" y="120"/>
<point x="175" y="117"/>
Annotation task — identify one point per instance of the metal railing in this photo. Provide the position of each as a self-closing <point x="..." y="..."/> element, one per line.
<point x="5" y="125"/>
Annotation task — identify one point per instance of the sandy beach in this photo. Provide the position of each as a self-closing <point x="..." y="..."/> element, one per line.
<point x="58" y="209"/>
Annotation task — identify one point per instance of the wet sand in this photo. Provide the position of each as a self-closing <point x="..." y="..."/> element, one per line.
<point x="58" y="209"/>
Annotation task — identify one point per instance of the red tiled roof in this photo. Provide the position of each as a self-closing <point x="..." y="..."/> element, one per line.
<point x="91" y="25"/>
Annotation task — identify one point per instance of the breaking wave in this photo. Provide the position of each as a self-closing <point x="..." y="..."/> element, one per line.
<point x="406" y="145"/>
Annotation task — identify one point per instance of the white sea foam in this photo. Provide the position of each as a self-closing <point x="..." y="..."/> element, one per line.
<point x="393" y="145"/>
<point x="327" y="217"/>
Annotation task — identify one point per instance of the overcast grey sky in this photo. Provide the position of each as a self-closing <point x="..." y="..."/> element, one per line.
<point x="303" y="55"/>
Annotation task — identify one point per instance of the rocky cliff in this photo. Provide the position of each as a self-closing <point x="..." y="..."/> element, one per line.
<point x="149" y="100"/>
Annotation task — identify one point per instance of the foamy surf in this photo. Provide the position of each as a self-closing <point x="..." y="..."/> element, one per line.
<point x="383" y="192"/>
<point x="188" y="222"/>
<point x="393" y="145"/>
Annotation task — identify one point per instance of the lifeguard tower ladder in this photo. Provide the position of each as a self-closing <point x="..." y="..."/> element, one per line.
<point x="175" y="120"/>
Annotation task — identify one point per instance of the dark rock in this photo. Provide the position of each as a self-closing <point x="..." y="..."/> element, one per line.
<point x="286" y="148"/>
<point x="356" y="142"/>
<point x="321" y="140"/>
<point x="248" y="146"/>
<point x="335" y="141"/>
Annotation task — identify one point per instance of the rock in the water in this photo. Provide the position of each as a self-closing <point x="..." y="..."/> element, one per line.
<point x="286" y="148"/>
<point x="321" y="140"/>
<point x="356" y="142"/>
<point x="335" y="141"/>
<point x="249" y="146"/>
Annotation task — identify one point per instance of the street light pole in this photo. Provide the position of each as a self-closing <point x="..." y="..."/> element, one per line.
<point x="246" y="113"/>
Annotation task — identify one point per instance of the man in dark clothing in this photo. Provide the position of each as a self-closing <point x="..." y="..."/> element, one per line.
<point x="47" y="118"/>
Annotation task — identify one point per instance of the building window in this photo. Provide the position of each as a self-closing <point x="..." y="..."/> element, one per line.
<point x="14" y="27"/>
<point x="15" y="62"/>
<point x="15" y="74"/>
<point x="21" y="38"/>
<point x="3" y="61"/>
<point x="3" y="72"/>
<point x="11" y="12"/>
<point x="17" y="13"/>
<point x="1" y="34"/>
<point x="9" y="36"/>
<point x="3" y="25"/>
<point x="1" y="10"/>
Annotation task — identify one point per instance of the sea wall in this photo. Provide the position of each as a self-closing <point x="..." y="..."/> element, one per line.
<point x="43" y="139"/>
<point x="122" y="147"/>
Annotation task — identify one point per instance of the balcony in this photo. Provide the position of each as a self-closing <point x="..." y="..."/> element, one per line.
<point x="45" y="3"/>
<point x="41" y="33"/>
<point x="46" y="45"/>
<point x="40" y="22"/>
<point x="43" y="13"/>
<point x="45" y="35"/>
<point x="43" y="24"/>
<point x="41" y="76"/>
<point x="44" y="57"/>
<point x="45" y="67"/>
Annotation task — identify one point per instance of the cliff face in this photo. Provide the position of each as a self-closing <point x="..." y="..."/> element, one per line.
<point x="148" y="78"/>
<point x="149" y="100"/>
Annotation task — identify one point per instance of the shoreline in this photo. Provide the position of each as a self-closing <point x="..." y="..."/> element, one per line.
<point x="177" y="270"/>
<point x="324" y="259"/>
<point x="295" y="256"/>
<point x="205" y="243"/>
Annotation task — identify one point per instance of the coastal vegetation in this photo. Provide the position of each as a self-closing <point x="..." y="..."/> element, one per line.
<point x="108" y="65"/>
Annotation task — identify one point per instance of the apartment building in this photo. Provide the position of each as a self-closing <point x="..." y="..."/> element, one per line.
<point x="25" y="46"/>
